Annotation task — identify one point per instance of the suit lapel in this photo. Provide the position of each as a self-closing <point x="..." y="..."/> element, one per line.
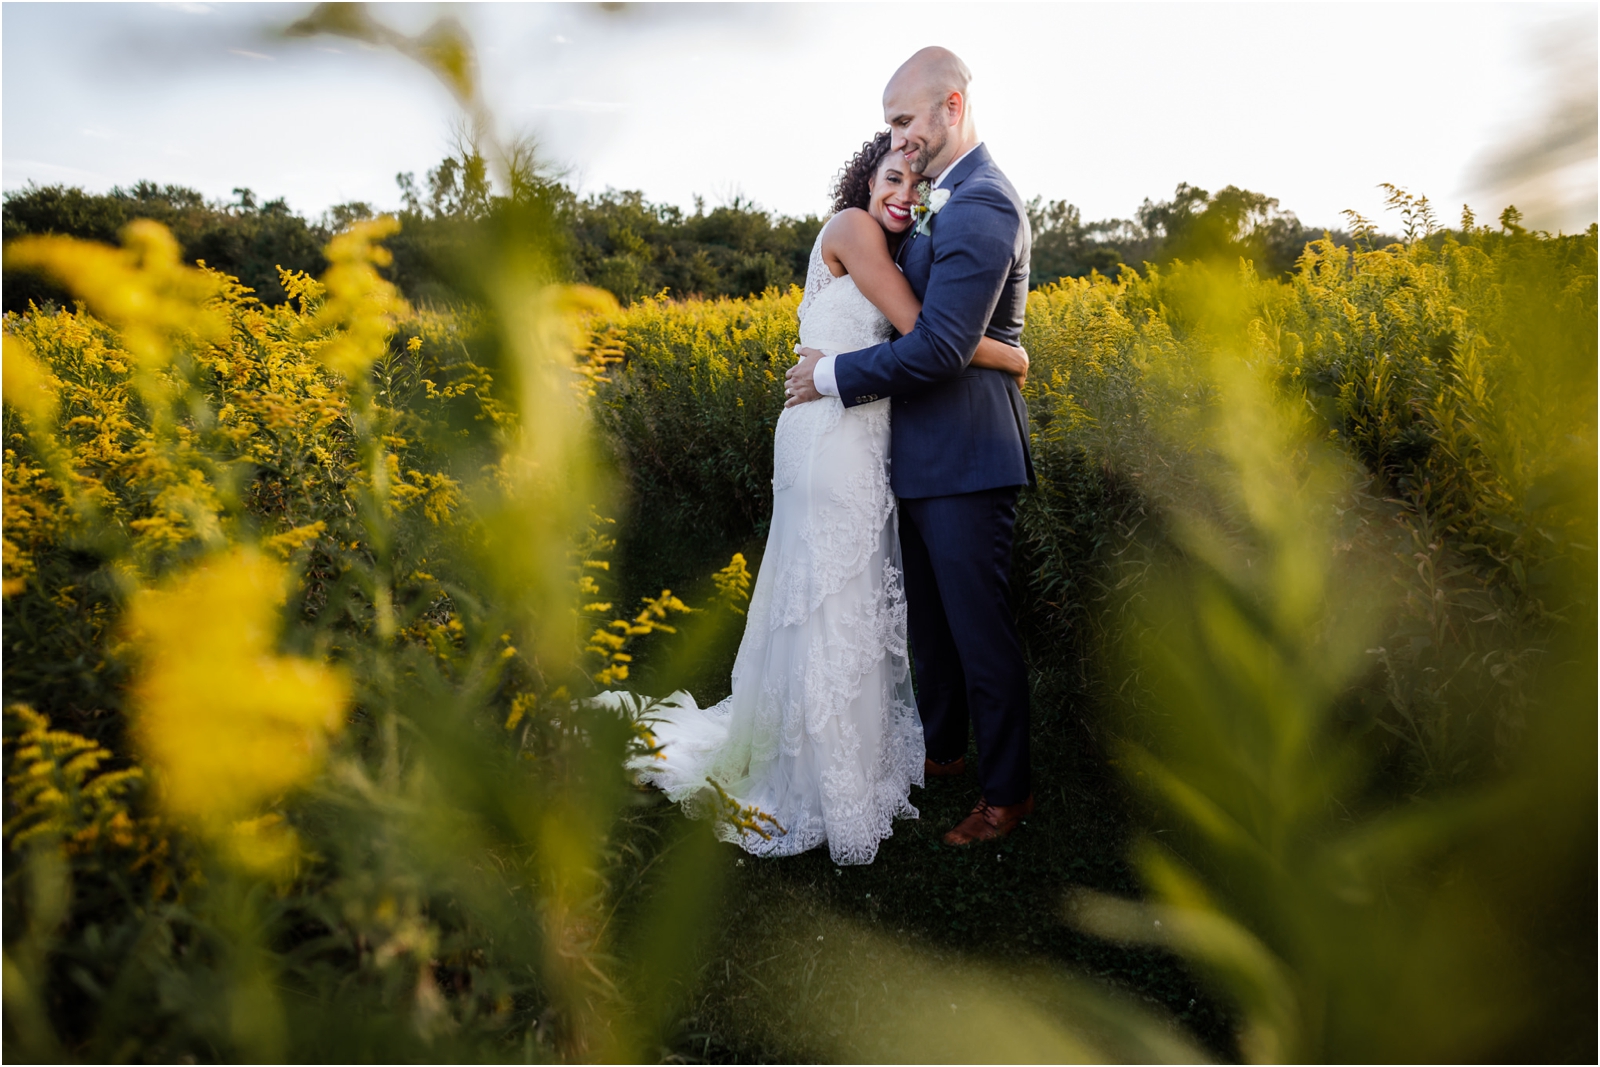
<point x="978" y="157"/>
<point x="916" y="263"/>
<point x="964" y="169"/>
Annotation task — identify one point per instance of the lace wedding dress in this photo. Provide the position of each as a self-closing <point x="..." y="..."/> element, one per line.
<point x="821" y="731"/>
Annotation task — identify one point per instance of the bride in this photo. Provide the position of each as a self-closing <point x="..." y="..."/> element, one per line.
<point x="821" y="731"/>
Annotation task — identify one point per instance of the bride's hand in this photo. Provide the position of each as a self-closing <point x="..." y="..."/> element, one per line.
<point x="1021" y="371"/>
<point x="799" y="386"/>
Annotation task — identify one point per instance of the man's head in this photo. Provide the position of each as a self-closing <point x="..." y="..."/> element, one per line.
<point x="928" y="112"/>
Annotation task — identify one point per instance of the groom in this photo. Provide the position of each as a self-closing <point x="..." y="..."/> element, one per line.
<point x="959" y="446"/>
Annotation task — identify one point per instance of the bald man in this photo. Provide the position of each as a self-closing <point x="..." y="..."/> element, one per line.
<point x="959" y="440"/>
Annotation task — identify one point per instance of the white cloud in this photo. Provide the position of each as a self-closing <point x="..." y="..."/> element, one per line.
<point x="1544" y="160"/>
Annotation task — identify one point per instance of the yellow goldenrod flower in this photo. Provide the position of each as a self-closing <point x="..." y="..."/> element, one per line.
<point x="357" y="301"/>
<point x="733" y="583"/>
<point x="226" y="724"/>
<point x="57" y="788"/>
<point x="290" y="541"/>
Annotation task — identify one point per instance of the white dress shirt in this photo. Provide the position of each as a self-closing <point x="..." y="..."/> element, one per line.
<point x="822" y="375"/>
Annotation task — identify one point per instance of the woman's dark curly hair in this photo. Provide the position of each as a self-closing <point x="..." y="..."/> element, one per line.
<point x="853" y="186"/>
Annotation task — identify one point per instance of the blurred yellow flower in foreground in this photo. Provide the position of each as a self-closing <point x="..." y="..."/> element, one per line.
<point x="27" y="383"/>
<point x="143" y="288"/>
<point x="228" y="725"/>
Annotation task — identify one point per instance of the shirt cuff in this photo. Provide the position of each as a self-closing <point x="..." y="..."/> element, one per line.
<point x="822" y="376"/>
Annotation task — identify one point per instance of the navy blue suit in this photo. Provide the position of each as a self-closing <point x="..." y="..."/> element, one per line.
<point x="958" y="457"/>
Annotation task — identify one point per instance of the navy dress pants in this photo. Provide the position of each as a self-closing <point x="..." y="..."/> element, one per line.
<point x="957" y="556"/>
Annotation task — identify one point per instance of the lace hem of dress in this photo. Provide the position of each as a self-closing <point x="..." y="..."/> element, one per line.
<point x="851" y="842"/>
<point x="810" y="701"/>
<point x="853" y="836"/>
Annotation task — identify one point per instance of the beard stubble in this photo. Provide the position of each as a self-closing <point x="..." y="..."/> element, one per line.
<point x="931" y="148"/>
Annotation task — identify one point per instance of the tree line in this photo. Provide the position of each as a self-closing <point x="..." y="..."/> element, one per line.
<point x="617" y="240"/>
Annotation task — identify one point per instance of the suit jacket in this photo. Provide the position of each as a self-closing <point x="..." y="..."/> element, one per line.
<point x="956" y="428"/>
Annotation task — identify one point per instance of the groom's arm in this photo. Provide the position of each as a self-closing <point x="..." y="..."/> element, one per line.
<point x="972" y="261"/>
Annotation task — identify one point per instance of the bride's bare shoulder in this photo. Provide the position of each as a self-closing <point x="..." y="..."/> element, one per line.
<point x="852" y="227"/>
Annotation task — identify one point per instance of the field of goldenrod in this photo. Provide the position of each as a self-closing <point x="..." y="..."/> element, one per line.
<point x="301" y="603"/>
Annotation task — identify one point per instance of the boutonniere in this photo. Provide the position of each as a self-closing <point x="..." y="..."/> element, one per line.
<point x="930" y="202"/>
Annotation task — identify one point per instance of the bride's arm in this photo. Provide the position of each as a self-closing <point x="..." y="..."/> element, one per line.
<point x="856" y="241"/>
<point x="1001" y="356"/>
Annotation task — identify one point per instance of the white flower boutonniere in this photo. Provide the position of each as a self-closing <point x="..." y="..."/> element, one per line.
<point x="930" y="202"/>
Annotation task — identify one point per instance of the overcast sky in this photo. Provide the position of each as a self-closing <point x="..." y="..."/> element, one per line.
<point x="1098" y="104"/>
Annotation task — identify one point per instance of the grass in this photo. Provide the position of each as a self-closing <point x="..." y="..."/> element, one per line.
<point x="757" y="999"/>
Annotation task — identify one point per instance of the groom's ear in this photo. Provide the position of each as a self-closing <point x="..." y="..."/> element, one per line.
<point x="955" y="107"/>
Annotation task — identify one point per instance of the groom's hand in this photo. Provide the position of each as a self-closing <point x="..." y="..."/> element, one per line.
<point x="799" y="386"/>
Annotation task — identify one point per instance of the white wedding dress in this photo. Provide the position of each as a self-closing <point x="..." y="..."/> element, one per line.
<point x="821" y="731"/>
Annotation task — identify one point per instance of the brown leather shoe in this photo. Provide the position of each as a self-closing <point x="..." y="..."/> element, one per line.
<point x="989" y="822"/>
<point x="931" y="769"/>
